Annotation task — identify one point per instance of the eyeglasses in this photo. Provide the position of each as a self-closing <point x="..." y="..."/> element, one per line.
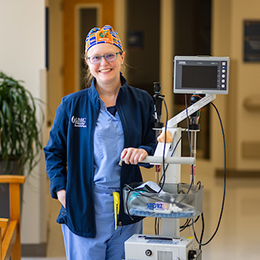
<point x="108" y="57"/>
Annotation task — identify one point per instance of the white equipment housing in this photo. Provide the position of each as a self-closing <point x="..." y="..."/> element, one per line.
<point x="140" y="247"/>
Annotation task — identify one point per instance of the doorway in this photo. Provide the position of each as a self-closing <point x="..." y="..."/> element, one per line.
<point x="143" y="48"/>
<point x="192" y="37"/>
<point x="87" y="17"/>
<point x="76" y="25"/>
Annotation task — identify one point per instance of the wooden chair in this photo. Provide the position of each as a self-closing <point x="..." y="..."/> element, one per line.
<point x="10" y="243"/>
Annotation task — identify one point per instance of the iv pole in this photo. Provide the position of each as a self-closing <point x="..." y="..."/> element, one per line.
<point x="170" y="227"/>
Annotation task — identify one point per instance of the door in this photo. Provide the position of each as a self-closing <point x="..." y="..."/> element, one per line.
<point x="78" y="17"/>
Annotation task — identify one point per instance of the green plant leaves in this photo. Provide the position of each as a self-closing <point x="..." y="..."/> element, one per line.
<point x="20" y="130"/>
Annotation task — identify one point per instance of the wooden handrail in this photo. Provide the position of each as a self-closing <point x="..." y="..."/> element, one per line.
<point x="12" y="179"/>
<point x="11" y="243"/>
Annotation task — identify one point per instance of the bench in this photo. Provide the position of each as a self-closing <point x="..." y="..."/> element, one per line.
<point x="10" y="243"/>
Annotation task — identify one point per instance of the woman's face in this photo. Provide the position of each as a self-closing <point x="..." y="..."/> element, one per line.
<point x="105" y="72"/>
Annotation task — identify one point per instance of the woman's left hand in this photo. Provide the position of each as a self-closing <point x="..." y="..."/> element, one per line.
<point x="133" y="155"/>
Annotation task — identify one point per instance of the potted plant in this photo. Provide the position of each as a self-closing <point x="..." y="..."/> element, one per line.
<point x="20" y="140"/>
<point x="19" y="127"/>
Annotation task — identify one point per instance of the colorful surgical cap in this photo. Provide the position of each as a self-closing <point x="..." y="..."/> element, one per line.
<point x="102" y="35"/>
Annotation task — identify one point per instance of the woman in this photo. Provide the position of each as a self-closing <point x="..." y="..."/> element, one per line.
<point x="93" y="129"/>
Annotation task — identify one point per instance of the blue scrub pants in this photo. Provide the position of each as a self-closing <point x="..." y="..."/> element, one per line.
<point x="108" y="243"/>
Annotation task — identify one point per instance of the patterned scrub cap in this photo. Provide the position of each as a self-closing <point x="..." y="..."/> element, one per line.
<point x="102" y="35"/>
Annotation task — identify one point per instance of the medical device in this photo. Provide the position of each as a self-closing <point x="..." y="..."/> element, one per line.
<point x="171" y="200"/>
<point x="201" y="75"/>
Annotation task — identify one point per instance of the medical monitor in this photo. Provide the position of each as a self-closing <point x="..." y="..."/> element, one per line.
<point x="201" y="75"/>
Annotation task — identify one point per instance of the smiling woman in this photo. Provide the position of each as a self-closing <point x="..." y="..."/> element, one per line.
<point x="93" y="129"/>
<point x="104" y="57"/>
<point x="101" y="55"/>
<point x="107" y="73"/>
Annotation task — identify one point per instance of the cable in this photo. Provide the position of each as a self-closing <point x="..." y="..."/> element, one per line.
<point x="188" y="130"/>
<point x="188" y="127"/>
<point x="187" y="119"/>
<point x="164" y="147"/>
<point x="224" y="190"/>
<point x="174" y="149"/>
<point x="202" y="230"/>
<point x="187" y="223"/>
<point x="157" y="226"/>
<point x="162" y="179"/>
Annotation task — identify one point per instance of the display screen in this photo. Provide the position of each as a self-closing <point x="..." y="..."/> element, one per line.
<point x="199" y="77"/>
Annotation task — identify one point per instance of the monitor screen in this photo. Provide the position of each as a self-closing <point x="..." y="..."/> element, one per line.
<point x="201" y="75"/>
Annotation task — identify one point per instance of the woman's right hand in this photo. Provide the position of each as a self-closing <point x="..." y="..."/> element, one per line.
<point x="61" y="194"/>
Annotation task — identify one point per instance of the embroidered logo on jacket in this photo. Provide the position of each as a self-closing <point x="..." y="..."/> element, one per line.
<point x="78" y="122"/>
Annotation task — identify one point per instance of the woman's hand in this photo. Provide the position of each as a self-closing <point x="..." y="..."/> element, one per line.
<point x="133" y="155"/>
<point x="61" y="194"/>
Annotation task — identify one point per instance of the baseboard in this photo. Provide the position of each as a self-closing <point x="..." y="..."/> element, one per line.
<point x="32" y="250"/>
<point x="238" y="173"/>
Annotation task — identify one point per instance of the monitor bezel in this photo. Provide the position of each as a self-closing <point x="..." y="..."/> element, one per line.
<point x="199" y="61"/>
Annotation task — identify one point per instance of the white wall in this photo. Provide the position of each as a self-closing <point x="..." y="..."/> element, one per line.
<point x="55" y="83"/>
<point x="247" y="83"/>
<point x="242" y="126"/>
<point x="22" y="56"/>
